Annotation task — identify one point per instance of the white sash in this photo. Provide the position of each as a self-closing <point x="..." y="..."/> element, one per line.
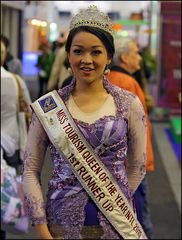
<point x="89" y="170"/>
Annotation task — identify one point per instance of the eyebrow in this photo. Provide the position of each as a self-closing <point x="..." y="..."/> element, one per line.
<point x="96" y="46"/>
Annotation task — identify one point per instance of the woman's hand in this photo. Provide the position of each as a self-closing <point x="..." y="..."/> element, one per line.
<point x="43" y="231"/>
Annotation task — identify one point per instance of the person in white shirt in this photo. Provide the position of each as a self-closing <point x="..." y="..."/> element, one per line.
<point x="9" y="106"/>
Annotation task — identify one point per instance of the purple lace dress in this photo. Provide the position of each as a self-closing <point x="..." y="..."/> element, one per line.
<point x="120" y="143"/>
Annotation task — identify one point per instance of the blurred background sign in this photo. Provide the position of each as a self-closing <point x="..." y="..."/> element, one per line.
<point x="170" y="56"/>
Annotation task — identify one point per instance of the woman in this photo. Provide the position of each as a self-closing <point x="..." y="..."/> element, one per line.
<point x="98" y="145"/>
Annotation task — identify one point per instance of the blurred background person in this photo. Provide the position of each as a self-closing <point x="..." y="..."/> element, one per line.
<point x="142" y="76"/>
<point x="8" y="148"/>
<point x="126" y="61"/>
<point x="59" y="42"/>
<point x="10" y="107"/>
<point x="44" y="63"/>
<point x="11" y="63"/>
<point x="59" y="69"/>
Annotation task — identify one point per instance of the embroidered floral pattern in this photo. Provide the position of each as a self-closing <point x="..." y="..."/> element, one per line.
<point x="35" y="205"/>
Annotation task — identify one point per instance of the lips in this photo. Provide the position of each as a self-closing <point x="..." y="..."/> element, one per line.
<point x="86" y="69"/>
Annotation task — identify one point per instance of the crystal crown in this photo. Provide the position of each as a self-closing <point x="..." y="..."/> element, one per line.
<point x="92" y="17"/>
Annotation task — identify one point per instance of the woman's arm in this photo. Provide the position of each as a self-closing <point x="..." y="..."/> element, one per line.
<point x="37" y="144"/>
<point x="136" y="163"/>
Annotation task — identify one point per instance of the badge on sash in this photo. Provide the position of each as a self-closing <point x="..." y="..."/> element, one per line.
<point x="47" y="104"/>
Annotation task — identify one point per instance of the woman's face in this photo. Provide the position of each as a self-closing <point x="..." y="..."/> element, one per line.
<point x="88" y="57"/>
<point x="3" y="53"/>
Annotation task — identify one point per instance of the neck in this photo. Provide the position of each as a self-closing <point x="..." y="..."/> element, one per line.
<point x="125" y="67"/>
<point x="93" y="88"/>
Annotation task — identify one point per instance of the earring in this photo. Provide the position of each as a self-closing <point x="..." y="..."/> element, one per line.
<point x="107" y="71"/>
<point x="70" y="71"/>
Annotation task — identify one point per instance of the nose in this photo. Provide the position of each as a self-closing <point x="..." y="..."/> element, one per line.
<point x="139" y="58"/>
<point x="86" y="59"/>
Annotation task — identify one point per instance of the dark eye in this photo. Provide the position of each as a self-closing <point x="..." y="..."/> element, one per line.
<point x="96" y="52"/>
<point x="77" y="51"/>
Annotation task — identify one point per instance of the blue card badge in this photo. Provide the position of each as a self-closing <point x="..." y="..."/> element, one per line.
<point x="47" y="104"/>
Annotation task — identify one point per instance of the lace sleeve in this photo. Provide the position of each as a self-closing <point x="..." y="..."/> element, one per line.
<point x="37" y="144"/>
<point x="136" y="164"/>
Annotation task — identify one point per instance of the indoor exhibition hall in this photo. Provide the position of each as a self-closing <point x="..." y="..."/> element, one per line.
<point x="69" y="46"/>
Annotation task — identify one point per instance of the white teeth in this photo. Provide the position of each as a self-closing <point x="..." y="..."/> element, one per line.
<point x="86" y="69"/>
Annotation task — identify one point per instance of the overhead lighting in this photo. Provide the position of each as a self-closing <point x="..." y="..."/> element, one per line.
<point x="53" y="26"/>
<point x="38" y="23"/>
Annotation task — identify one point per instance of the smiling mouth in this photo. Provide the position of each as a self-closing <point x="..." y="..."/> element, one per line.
<point x="87" y="69"/>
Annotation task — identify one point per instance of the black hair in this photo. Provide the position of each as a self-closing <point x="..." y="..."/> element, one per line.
<point x="104" y="36"/>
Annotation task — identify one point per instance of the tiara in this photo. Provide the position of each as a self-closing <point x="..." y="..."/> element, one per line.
<point x="92" y="17"/>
